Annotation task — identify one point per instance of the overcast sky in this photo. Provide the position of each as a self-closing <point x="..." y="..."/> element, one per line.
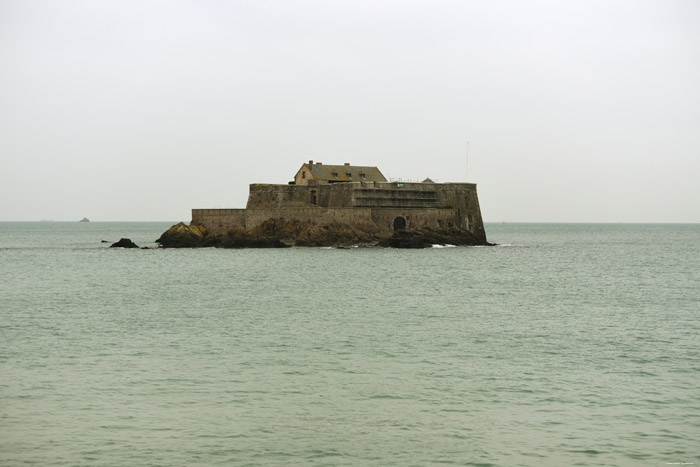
<point x="575" y="111"/>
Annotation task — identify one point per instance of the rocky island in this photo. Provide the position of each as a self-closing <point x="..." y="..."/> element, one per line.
<point x="339" y="205"/>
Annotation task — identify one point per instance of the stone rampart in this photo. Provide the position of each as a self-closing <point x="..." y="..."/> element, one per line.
<point x="255" y="217"/>
<point x="382" y="206"/>
<point x="219" y="220"/>
<point x="384" y="218"/>
<point x="277" y="196"/>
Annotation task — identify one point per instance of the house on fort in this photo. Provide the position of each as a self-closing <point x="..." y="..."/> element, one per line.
<point x="336" y="173"/>
<point x="355" y="195"/>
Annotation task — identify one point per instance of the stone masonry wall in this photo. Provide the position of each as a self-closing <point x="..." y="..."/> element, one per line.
<point x="415" y="218"/>
<point x="277" y="196"/>
<point x="219" y="220"/>
<point x="255" y="217"/>
<point x="378" y="205"/>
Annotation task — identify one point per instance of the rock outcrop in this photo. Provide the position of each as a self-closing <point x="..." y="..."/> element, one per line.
<point x="124" y="243"/>
<point x="280" y="233"/>
<point x="425" y="238"/>
<point x="294" y="232"/>
<point x="183" y="236"/>
<point x="196" y="236"/>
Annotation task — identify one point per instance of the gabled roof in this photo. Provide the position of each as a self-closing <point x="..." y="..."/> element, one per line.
<point x="339" y="173"/>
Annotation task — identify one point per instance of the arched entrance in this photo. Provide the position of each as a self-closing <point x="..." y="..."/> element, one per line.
<point x="399" y="223"/>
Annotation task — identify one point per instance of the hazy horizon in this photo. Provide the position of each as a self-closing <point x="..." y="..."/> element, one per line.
<point x="581" y="111"/>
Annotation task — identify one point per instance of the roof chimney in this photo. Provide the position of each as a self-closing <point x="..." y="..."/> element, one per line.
<point x="311" y="162"/>
<point x="347" y="163"/>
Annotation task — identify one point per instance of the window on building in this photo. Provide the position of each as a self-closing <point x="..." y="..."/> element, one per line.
<point x="303" y="174"/>
<point x="348" y="174"/>
<point x="335" y="174"/>
<point x="362" y="175"/>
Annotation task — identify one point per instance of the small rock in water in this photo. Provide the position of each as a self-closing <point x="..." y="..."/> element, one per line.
<point x="124" y="243"/>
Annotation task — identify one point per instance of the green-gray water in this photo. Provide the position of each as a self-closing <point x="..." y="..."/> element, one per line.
<point x="566" y="345"/>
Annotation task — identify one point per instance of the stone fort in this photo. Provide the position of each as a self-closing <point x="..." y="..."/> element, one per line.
<point x="355" y="195"/>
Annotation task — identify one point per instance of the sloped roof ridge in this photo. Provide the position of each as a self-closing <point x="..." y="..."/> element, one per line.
<point x="343" y="165"/>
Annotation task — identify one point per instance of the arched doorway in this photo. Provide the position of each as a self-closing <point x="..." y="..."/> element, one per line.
<point x="399" y="223"/>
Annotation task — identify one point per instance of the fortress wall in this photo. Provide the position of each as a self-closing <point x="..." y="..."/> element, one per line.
<point x="369" y="194"/>
<point x="420" y="186"/>
<point x="415" y="218"/>
<point x="407" y="186"/>
<point x="255" y="217"/>
<point x="463" y="197"/>
<point x="473" y="214"/>
<point x="276" y="196"/>
<point x="219" y="220"/>
<point x="396" y="198"/>
<point x="323" y="191"/>
<point x="324" y="194"/>
<point x="341" y="195"/>
<point x="455" y="195"/>
<point x="413" y="195"/>
<point x="455" y="203"/>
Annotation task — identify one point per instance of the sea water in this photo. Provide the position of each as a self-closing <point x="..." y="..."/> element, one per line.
<point x="567" y="344"/>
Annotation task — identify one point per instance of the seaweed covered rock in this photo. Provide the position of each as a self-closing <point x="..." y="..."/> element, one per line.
<point x="183" y="236"/>
<point x="195" y="236"/>
<point x="280" y="233"/>
<point x="307" y="233"/>
<point x="273" y="233"/>
<point x="240" y="238"/>
<point x="124" y="243"/>
<point x="425" y="238"/>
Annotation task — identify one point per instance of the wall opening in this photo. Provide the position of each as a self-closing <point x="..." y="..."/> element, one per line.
<point x="313" y="197"/>
<point x="399" y="223"/>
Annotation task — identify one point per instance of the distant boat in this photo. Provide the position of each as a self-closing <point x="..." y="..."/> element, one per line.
<point x="84" y="219"/>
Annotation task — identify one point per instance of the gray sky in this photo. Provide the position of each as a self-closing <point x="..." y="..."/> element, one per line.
<point x="575" y="111"/>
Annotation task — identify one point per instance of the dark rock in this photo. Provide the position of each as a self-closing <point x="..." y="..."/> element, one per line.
<point x="195" y="236"/>
<point x="425" y="238"/>
<point x="405" y="239"/>
<point x="183" y="236"/>
<point x="124" y="243"/>
<point x="273" y="233"/>
<point x="280" y="233"/>
<point x="237" y="239"/>
<point x="300" y="233"/>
